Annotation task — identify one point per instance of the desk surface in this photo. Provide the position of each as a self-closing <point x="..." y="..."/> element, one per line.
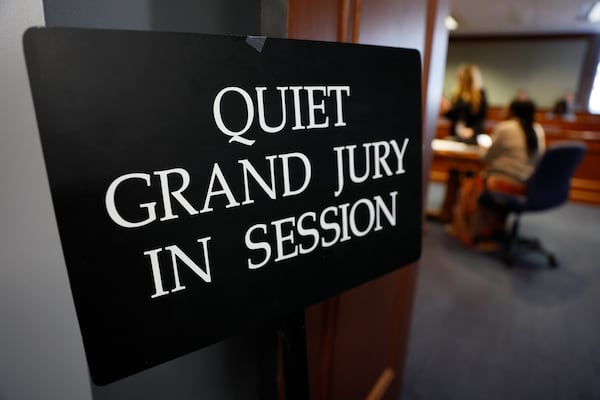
<point x="451" y="159"/>
<point x="444" y="147"/>
<point x="585" y="185"/>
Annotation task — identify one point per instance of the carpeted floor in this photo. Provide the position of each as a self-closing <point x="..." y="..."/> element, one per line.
<point x="483" y="331"/>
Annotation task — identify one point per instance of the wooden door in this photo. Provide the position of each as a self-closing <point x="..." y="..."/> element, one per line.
<point x="357" y="341"/>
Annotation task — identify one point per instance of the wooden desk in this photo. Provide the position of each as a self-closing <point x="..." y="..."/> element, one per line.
<point x="585" y="185"/>
<point x="451" y="161"/>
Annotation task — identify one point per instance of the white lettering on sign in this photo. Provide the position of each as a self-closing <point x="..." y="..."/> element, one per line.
<point x="277" y="240"/>
<point x="177" y="254"/>
<point x="111" y="207"/>
<point x="138" y="199"/>
<point x="218" y="186"/>
<point x="282" y="238"/>
<point x="315" y="108"/>
<point x="378" y="162"/>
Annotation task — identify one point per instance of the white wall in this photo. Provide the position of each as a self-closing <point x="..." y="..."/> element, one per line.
<point x="41" y="354"/>
<point x="545" y="67"/>
<point x="106" y="14"/>
<point x="231" y="17"/>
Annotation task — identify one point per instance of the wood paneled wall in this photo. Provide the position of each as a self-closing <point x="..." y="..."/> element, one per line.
<point x="357" y="341"/>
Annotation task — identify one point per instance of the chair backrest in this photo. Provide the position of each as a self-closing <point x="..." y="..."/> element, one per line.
<point x="550" y="182"/>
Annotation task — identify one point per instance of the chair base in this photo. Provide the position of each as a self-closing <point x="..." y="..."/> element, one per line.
<point x="513" y="242"/>
<point x="510" y="249"/>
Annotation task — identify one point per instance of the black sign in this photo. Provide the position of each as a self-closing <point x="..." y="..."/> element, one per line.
<point x="203" y="183"/>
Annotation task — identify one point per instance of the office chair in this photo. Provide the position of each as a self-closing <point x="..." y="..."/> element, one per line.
<point x="548" y="187"/>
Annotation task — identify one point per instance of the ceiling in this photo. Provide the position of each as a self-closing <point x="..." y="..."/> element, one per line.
<point x="499" y="17"/>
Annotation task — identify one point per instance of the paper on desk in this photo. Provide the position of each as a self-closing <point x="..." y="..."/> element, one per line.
<point x="448" y="145"/>
<point x="483" y="142"/>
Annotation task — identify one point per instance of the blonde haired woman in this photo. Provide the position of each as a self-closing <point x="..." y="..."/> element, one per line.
<point x="467" y="108"/>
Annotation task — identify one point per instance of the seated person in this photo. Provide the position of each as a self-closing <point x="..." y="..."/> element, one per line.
<point x="521" y="95"/>
<point x="565" y="106"/>
<point x="517" y="145"/>
<point x="467" y="108"/>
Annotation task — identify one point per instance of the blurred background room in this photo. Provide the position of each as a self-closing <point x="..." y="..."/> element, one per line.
<point x="460" y="323"/>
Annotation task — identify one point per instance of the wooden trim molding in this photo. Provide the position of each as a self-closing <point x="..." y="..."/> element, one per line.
<point x="518" y="36"/>
<point x="382" y="384"/>
<point x="585" y="197"/>
<point x="438" y="176"/>
<point x="344" y="18"/>
<point x="329" y="321"/>
<point x="585" y="184"/>
<point x="356" y="22"/>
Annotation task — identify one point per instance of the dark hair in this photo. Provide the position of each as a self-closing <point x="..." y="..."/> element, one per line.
<point x="524" y="111"/>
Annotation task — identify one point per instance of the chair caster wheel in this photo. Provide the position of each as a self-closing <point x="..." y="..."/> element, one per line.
<point x="552" y="261"/>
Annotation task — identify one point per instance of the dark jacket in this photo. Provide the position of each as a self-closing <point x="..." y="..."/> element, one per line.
<point x="462" y="111"/>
